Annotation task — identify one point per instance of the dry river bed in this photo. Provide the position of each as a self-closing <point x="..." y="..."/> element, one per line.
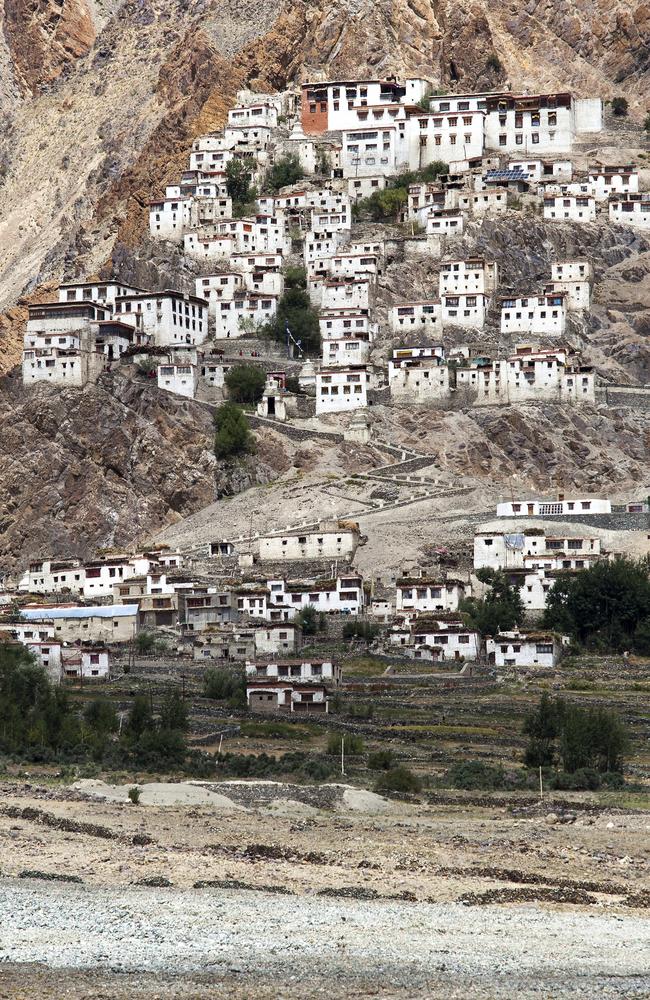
<point x="257" y="890"/>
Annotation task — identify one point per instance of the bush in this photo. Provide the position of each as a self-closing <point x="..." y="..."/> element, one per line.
<point x="585" y="779"/>
<point x="381" y="760"/>
<point x="360" y="630"/>
<point x="308" y="620"/>
<point x="646" y="123"/>
<point x="351" y="744"/>
<point x="245" y="383"/>
<point x="145" y="642"/>
<point x="398" y="779"/>
<point x="233" y="437"/>
<point x="363" y="711"/>
<point x="474" y="775"/>
<point x="286" y="170"/>
<point x="619" y="106"/>
<point x="148" y="366"/>
<point x="224" y="685"/>
<point x="581" y="738"/>
<point x="494" y="63"/>
<point x="134" y="795"/>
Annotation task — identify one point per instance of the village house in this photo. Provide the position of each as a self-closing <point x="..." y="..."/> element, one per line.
<point x="534" y="314"/>
<point x="444" y="136"/>
<point x="246" y="312"/>
<point x="465" y="310"/>
<point x="573" y="208"/>
<point x="630" y="210"/>
<point x="426" y="594"/>
<point x="416" y="317"/>
<point x="182" y="380"/>
<point x="225" y="643"/>
<point x="303" y="670"/>
<point x="525" y="649"/>
<point x="246" y="261"/>
<point x="426" y="195"/>
<point x="319" y="245"/>
<point x="278" y="639"/>
<point x="572" y="278"/>
<point x="158" y="610"/>
<point x="110" y="623"/>
<point x="604" y="181"/>
<point x="333" y="105"/>
<point x="221" y="287"/>
<point x="53" y="576"/>
<point x="353" y="324"/>
<point x="345" y="352"/>
<point x="251" y="600"/>
<point x="370" y="151"/>
<point x="553" y="508"/>
<point x="469" y="277"/>
<point x="59" y="343"/>
<point x="365" y="187"/>
<point x="532" y="373"/>
<point x="530" y="547"/>
<point x="419" y="378"/>
<point x="445" y="222"/>
<point x="85" y="662"/>
<point x="540" y="171"/>
<point x="332" y="539"/>
<point x="538" y="123"/>
<point x="198" y="611"/>
<point x="341" y="389"/>
<point x="262" y="113"/>
<point x="352" y="265"/>
<point x="168" y="317"/>
<point x="437" y="639"/>
<point x="104" y="293"/>
<point x="48" y="654"/>
<point x="480" y="203"/>
<point x="210" y="154"/>
<point x="343" y="594"/>
<point x="286" y="696"/>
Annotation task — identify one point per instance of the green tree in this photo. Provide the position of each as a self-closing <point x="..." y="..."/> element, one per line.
<point x="642" y="637"/>
<point x="296" y="312"/>
<point x="101" y="716"/>
<point x="33" y="711"/>
<point x="286" y="170"/>
<point x="603" y="605"/>
<point x="308" y="620"/>
<point x="238" y="181"/>
<point x="140" y="718"/>
<point x="619" y="106"/>
<point x="542" y="727"/>
<point x="233" y="436"/>
<point x="225" y="685"/>
<point x="398" y="779"/>
<point x="145" y="642"/>
<point x="501" y="608"/>
<point x="173" y="711"/>
<point x="245" y="383"/>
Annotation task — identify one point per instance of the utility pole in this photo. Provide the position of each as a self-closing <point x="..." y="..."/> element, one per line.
<point x="541" y="786"/>
<point x="343" y="755"/>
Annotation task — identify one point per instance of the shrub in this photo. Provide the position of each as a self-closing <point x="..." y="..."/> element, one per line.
<point x="224" y="685"/>
<point x="245" y="383"/>
<point x="646" y="123"/>
<point x="238" y="178"/>
<point x="286" y="170"/>
<point x="494" y="63"/>
<point x="583" y="780"/>
<point x="380" y="760"/>
<point x="398" y="779"/>
<point x="148" y="366"/>
<point x="145" y="642"/>
<point x="579" y="737"/>
<point x="474" y="775"/>
<point x="362" y="711"/>
<point x="307" y="619"/>
<point x="360" y="630"/>
<point x="233" y="437"/>
<point x="351" y="744"/>
<point x="134" y="795"/>
<point x="619" y="106"/>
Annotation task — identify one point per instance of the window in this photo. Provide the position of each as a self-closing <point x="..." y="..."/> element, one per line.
<point x="544" y="647"/>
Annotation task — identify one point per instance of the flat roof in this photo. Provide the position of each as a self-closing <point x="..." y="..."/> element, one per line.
<point x="99" y="611"/>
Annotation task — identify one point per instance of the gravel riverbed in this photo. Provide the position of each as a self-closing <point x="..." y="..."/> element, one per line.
<point x="359" y="948"/>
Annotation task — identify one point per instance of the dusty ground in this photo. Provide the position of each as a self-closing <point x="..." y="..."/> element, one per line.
<point x="398" y="878"/>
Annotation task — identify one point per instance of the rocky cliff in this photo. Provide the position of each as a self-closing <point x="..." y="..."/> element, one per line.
<point x="100" y="468"/>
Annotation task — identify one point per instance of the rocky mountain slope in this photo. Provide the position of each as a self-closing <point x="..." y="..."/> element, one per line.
<point x="80" y="471"/>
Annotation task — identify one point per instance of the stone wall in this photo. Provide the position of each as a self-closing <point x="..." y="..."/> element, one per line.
<point x="636" y="397"/>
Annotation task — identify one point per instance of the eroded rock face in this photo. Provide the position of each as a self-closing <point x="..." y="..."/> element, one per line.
<point x="86" y="470"/>
<point x="45" y="37"/>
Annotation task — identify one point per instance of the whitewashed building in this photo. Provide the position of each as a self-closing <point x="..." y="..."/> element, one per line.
<point x="573" y="278"/>
<point x="304" y="670"/>
<point x="473" y="276"/>
<point x="445" y="222"/>
<point x="534" y="314"/>
<point x="570" y="208"/>
<point x="246" y="312"/>
<point x="418" y="380"/>
<point x="416" y="317"/>
<point x="465" y="310"/>
<point x="180" y="379"/>
<point x="553" y="508"/>
<point x="539" y="123"/>
<point x="341" y="389"/>
<point x="525" y="649"/>
<point x="344" y="594"/>
<point x="480" y="203"/>
<point x="630" y="210"/>
<point x="426" y="594"/>
<point x="334" y="105"/>
<point x="167" y="317"/>
<point x="331" y="540"/>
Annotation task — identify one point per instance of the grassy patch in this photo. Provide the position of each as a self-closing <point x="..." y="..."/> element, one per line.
<point x="276" y="730"/>
<point x="364" y="666"/>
